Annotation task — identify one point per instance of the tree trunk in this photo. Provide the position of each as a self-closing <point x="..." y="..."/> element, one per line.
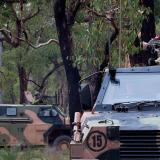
<point x="63" y="90"/>
<point x="23" y="83"/>
<point x="1" y="50"/>
<point x="66" y="46"/>
<point x="106" y="61"/>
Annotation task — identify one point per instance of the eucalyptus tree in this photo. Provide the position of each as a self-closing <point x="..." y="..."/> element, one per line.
<point x="82" y="31"/>
<point x="25" y="26"/>
<point x="86" y="21"/>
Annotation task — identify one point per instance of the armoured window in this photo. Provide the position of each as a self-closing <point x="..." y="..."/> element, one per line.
<point x="133" y="87"/>
<point x="46" y="113"/>
<point x="2" y="110"/>
<point x="54" y="113"/>
<point x="11" y="111"/>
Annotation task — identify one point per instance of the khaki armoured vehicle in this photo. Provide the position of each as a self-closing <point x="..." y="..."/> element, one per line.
<point x="28" y="125"/>
<point x="125" y="121"/>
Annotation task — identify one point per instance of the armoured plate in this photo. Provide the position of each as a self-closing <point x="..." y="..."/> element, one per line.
<point x="27" y="124"/>
<point x="126" y="119"/>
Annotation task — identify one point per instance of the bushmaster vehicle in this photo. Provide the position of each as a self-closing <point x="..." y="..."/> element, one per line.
<point x="28" y="125"/>
<point x="125" y="121"/>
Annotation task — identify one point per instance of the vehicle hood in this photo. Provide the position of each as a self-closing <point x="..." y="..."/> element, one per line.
<point x="135" y="120"/>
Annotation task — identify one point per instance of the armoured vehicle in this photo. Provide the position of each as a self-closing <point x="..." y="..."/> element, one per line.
<point x="124" y="123"/>
<point x="29" y="125"/>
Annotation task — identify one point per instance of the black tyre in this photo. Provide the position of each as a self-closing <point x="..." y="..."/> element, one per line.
<point x="62" y="143"/>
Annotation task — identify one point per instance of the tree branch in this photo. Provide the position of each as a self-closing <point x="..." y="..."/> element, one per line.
<point x="30" y="16"/>
<point x="41" y="86"/>
<point x="49" y="74"/>
<point x="13" y="11"/>
<point x="13" y="1"/>
<point x="73" y="9"/>
<point x="41" y="44"/>
<point x="7" y="35"/>
<point x="5" y="30"/>
<point x="95" y="12"/>
<point x="108" y="14"/>
<point x="3" y="74"/>
<point x="29" y="80"/>
<point x="76" y="8"/>
<point x="8" y="39"/>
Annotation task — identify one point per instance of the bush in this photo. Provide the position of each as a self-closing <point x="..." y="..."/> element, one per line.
<point x="33" y="154"/>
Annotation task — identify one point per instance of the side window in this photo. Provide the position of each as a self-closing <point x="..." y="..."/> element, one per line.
<point x="11" y="111"/>
<point x="54" y="113"/>
<point x="2" y="110"/>
<point x="49" y="115"/>
<point x="44" y="112"/>
<point x="47" y="112"/>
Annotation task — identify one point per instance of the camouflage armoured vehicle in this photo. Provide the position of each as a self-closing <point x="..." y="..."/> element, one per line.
<point x="125" y="121"/>
<point x="33" y="125"/>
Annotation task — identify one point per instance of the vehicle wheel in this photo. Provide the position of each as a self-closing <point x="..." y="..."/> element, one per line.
<point x="62" y="143"/>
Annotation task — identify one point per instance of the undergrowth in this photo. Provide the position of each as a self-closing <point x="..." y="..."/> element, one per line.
<point x="32" y="154"/>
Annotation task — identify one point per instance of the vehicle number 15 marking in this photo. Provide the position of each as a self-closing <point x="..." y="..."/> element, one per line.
<point x="96" y="141"/>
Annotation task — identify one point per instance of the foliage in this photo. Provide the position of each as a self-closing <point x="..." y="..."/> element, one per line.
<point x="7" y="155"/>
<point x="157" y="15"/>
<point x="32" y="154"/>
<point x="90" y="37"/>
<point x="37" y="62"/>
<point x="90" y="34"/>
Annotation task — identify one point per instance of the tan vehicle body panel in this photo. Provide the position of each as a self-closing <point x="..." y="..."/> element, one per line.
<point x="26" y="127"/>
<point x="33" y="133"/>
<point x="82" y="150"/>
<point x="11" y="139"/>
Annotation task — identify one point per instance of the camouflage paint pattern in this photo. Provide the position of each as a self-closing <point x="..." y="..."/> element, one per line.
<point x="95" y="140"/>
<point x="26" y="127"/>
<point x="33" y="133"/>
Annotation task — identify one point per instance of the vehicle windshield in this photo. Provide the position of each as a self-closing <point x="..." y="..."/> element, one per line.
<point x="133" y="87"/>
